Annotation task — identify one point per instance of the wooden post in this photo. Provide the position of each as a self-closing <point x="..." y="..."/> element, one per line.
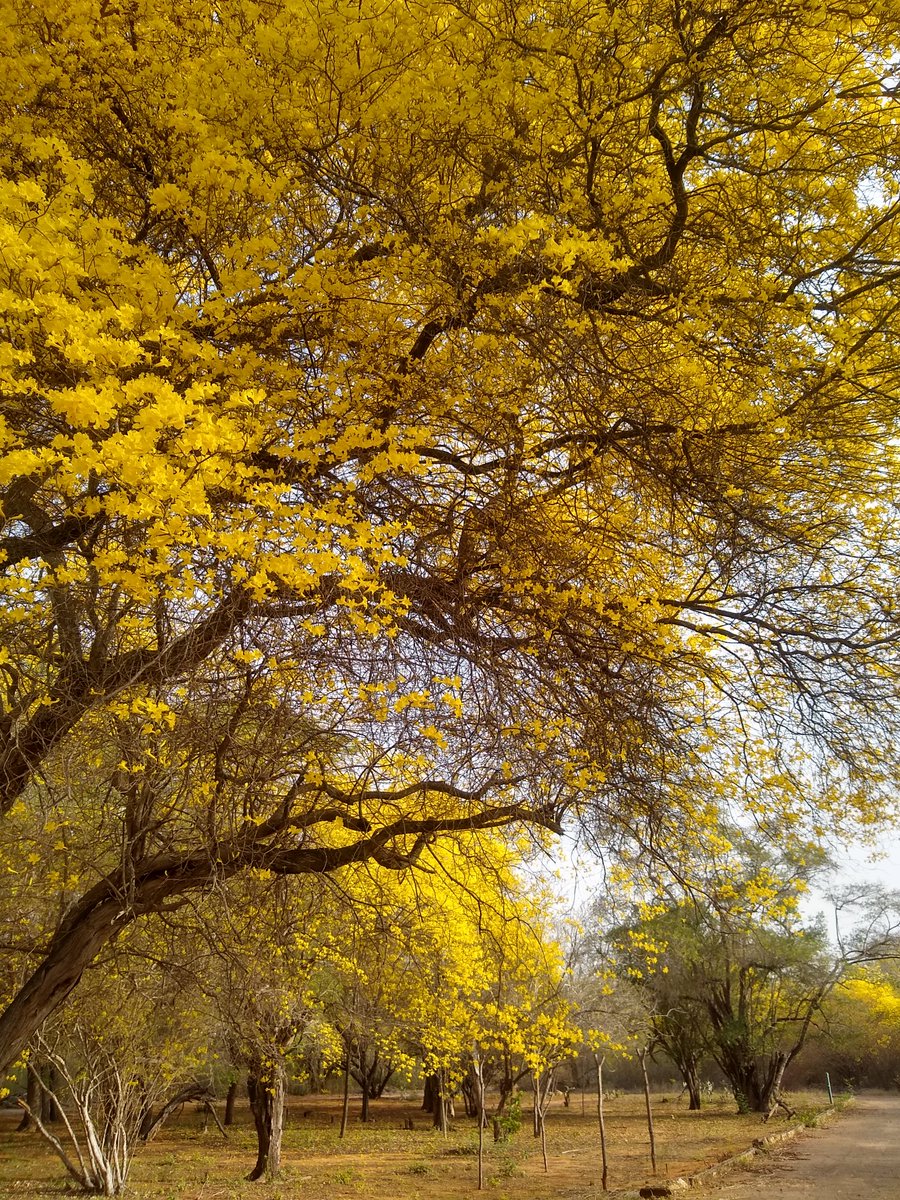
<point x="643" y="1057"/>
<point x="604" y="1178"/>
<point x="479" y="1079"/>
<point x="542" y="1093"/>
<point x="830" y="1092"/>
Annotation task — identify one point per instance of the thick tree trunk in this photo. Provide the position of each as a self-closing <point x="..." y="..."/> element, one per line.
<point x="749" y="1090"/>
<point x="49" y="1107"/>
<point x="754" y="1084"/>
<point x="94" y="920"/>
<point x="32" y="1099"/>
<point x="266" y="1089"/>
<point x="230" y="1098"/>
<point x="430" y="1093"/>
<point x="63" y="966"/>
<point x="471" y="1089"/>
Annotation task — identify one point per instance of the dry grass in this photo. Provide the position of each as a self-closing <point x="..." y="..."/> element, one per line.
<point x="384" y="1161"/>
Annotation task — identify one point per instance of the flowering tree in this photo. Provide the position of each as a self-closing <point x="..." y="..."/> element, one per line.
<point x="499" y="403"/>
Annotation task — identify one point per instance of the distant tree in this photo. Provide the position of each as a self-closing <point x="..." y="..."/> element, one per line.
<point x="856" y="1036"/>
<point x="731" y="971"/>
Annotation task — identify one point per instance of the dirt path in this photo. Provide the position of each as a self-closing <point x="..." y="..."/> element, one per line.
<point x="857" y="1157"/>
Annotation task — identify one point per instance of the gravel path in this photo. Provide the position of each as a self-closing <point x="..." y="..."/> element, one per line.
<point x="856" y="1157"/>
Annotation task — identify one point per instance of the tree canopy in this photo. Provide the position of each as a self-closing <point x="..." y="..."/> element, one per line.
<point x="424" y="417"/>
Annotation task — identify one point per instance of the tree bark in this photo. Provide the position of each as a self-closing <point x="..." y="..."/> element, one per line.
<point x="371" y="1074"/>
<point x="543" y="1082"/>
<point x="442" y="1108"/>
<point x="477" y="1070"/>
<point x="430" y="1093"/>
<point x="230" y="1098"/>
<point x="345" y="1106"/>
<point x="100" y="914"/>
<point x="266" y="1090"/>
<point x="471" y="1090"/>
<point x="151" y="1122"/>
<point x="32" y="1099"/>
<point x="753" y="1085"/>
<point x="692" y="1082"/>
<point x="49" y="1107"/>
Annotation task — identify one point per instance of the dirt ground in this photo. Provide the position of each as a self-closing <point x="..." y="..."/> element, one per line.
<point x="854" y="1157"/>
<point x="386" y="1161"/>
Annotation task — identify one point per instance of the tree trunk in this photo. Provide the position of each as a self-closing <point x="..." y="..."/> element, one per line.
<point x="230" y="1099"/>
<point x="98" y="916"/>
<point x="151" y="1122"/>
<point x="266" y="1090"/>
<point x="345" y="1106"/>
<point x="504" y="1096"/>
<point x="752" y="1091"/>
<point x="692" y="1082"/>
<point x="543" y="1082"/>
<point x="371" y="1074"/>
<point x="92" y="923"/>
<point x="443" y="1108"/>
<point x="770" y="1084"/>
<point x="470" y="1090"/>
<point x="430" y="1093"/>
<point x="32" y="1099"/>
<point x="49" y="1108"/>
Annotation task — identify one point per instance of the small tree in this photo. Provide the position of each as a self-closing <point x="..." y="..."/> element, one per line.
<point x="108" y="1104"/>
<point x="262" y="947"/>
<point x="124" y="1049"/>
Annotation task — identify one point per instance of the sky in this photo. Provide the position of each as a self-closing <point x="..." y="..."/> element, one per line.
<point x="579" y="877"/>
<point x="859" y="864"/>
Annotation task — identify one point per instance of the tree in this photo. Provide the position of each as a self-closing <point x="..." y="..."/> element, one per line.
<point x="129" y="1043"/>
<point x="678" y="1020"/>
<point x="479" y="397"/>
<point x="254" y="951"/>
<point x="857" y="1035"/>
<point x="729" y="969"/>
